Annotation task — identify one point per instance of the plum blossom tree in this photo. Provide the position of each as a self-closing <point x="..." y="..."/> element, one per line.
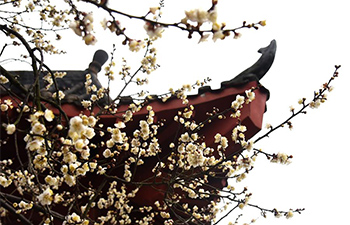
<point x="105" y="163"/>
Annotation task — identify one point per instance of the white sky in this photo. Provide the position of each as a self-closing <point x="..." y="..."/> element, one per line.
<point x="311" y="38"/>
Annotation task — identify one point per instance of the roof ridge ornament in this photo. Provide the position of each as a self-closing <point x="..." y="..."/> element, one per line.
<point x="100" y="57"/>
<point x="258" y="69"/>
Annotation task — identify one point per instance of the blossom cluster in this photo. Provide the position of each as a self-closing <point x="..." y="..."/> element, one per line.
<point x="91" y="89"/>
<point x="56" y="18"/>
<point x="238" y="103"/>
<point x="49" y="79"/>
<point x="148" y="63"/>
<point x="3" y="79"/>
<point x="83" y="26"/>
<point x="112" y="26"/>
<point x="200" y="17"/>
<point x="238" y="132"/>
<point x="154" y="30"/>
<point x="35" y="140"/>
<point x="80" y="169"/>
<point x="281" y="158"/>
<point x="65" y="154"/>
<point x="51" y="17"/>
<point x="136" y="45"/>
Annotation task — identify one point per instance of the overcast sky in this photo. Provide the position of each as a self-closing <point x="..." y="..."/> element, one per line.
<point x="312" y="36"/>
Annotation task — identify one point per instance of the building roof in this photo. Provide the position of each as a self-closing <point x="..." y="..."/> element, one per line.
<point x="73" y="83"/>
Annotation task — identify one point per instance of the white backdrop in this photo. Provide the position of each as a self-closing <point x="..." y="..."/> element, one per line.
<point x="311" y="38"/>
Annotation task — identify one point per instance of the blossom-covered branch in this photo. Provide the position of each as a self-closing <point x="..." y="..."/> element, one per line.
<point x="145" y="160"/>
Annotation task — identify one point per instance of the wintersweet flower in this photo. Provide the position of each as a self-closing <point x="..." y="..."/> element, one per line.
<point x="213" y="15"/>
<point x="34" y="145"/>
<point x="109" y="143"/>
<point x="93" y="88"/>
<point x="25" y="205"/>
<point x="237" y="35"/>
<point x="8" y="102"/>
<point x="281" y="158"/>
<point x="52" y="181"/>
<point x="75" y="27"/>
<point x="61" y="95"/>
<point x="104" y="24"/>
<point x="262" y="23"/>
<point x="188" y="114"/>
<point x="289" y="214"/>
<point x="70" y="180"/>
<point x="40" y="162"/>
<point x="107" y="153"/>
<point x="101" y="170"/>
<point x="79" y="144"/>
<point x="136" y="45"/>
<point x="195" y="159"/>
<point x="86" y="103"/>
<point x="76" y="124"/>
<point x="238" y="102"/>
<point x="240" y="99"/>
<point x="242" y="128"/>
<point x="217" y="138"/>
<point x="224" y="142"/>
<point x="74" y="219"/>
<point x="154" y="31"/>
<point x="89" y="132"/>
<point x="235" y="105"/>
<point x="3" y="79"/>
<point x="5" y="182"/>
<point x="35" y="117"/>
<point x="315" y="104"/>
<point x="88" y="18"/>
<point x="60" y="74"/>
<point x="185" y="137"/>
<point x="165" y="215"/>
<point x="153" y="10"/>
<point x="69" y="157"/>
<point x="197" y="15"/>
<point x="301" y="101"/>
<point x="85" y="154"/>
<point x="216" y="26"/>
<point x="250" y="95"/>
<point x="38" y="128"/>
<point x="4" y="107"/>
<point x="191" y="147"/>
<point x="241" y="136"/>
<point x="10" y="129"/>
<point x="218" y="35"/>
<point x="46" y="197"/>
<point x="90" y="39"/>
<point x="204" y="38"/>
<point x="194" y="136"/>
<point x="49" y="116"/>
<point x="277" y="214"/>
<point x="249" y="145"/>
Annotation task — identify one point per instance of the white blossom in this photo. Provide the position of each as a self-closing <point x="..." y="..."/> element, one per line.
<point x="136" y="45"/>
<point x="46" y="197"/>
<point x="10" y="129"/>
<point x="196" y="158"/>
<point x="3" y="79"/>
<point x="5" y="182"/>
<point x="250" y="95"/>
<point x="107" y="153"/>
<point x="289" y="214"/>
<point x="48" y="114"/>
